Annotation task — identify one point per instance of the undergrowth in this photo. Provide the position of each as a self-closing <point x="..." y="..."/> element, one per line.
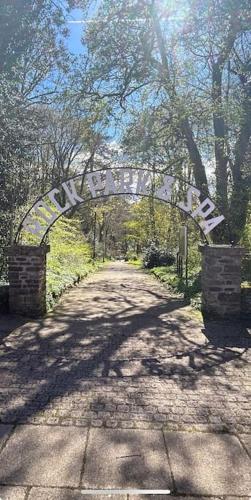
<point x="191" y="291"/>
<point x="69" y="259"/>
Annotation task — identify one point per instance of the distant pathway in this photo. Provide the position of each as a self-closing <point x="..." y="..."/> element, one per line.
<point x="119" y="350"/>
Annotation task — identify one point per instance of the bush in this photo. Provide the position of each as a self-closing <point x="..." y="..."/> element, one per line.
<point x="246" y="270"/>
<point x="155" y="257"/>
<point x="130" y="256"/>
<point x="191" y="290"/>
<point x="69" y="259"/>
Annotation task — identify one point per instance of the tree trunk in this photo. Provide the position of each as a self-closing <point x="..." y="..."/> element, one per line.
<point x="221" y="158"/>
<point x="241" y="186"/>
<point x="193" y="151"/>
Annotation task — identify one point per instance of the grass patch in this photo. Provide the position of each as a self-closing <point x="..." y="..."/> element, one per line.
<point x="135" y="262"/>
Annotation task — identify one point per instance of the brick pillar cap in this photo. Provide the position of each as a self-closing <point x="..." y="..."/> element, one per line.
<point x="27" y="250"/>
<point x="222" y="248"/>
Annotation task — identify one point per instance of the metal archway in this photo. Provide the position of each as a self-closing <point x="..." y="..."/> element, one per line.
<point x="174" y="190"/>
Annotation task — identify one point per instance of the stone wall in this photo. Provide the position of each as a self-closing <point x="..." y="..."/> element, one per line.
<point x="246" y="301"/>
<point x="4" y="298"/>
<point x="221" y="280"/>
<point x="27" y="278"/>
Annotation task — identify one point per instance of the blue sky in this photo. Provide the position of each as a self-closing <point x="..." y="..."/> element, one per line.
<point x="76" y="29"/>
<point x="73" y="42"/>
<point x="76" y="25"/>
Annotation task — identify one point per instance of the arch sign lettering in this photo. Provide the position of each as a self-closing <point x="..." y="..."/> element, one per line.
<point x="118" y="181"/>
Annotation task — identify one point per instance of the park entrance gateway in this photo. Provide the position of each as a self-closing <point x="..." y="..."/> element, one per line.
<point x="122" y="181"/>
<point x="27" y="264"/>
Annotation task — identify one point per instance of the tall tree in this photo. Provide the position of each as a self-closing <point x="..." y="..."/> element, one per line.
<point x="33" y="60"/>
<point x="193" y="59"/>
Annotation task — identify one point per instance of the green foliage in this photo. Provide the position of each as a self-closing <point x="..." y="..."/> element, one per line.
<point x="172" y="122"/>
<point x="152" y="220"/>
<point x="130" y="256"/>
<point x="246" y="242"/>
<point x="168" y="275"/>
<point x="69" y="259"/>
<point x="136" y="262"/>
<point x="151" y="61"/>
<point x="33" y="59"/>
<point x="246" y="271"/>
<point x="155" y="256"/>
<point x="30" y="29"/>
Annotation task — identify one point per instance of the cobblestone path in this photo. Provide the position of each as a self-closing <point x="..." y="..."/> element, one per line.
<point x="120" y="351"/>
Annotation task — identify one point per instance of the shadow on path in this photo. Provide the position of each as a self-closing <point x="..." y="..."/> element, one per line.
<point x="106" y="328"/>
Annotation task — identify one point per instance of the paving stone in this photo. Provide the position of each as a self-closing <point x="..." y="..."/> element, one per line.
<point x="12" y="493"/>
<point x="119" y="458"/>
<point x="236" y="498"/>
<point x="153" y="335"/>
<point x="43" y="456"/>
<point x="5" y="431"/>
<point x="171" y="497"/>
<point x="208" y="464"/>
<point x="246" y="440"/>
<point x="69" y="366"/>
<point x="67" y="494"/>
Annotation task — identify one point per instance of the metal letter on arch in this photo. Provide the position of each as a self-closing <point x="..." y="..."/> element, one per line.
<point x="134" y="182"/>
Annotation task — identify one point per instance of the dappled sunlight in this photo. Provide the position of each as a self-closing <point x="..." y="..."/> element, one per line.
<point x="134" y="458"/>
<point x="43" y="455"/>
<point x="125" y="139"/>
<point x="93" y="342"/>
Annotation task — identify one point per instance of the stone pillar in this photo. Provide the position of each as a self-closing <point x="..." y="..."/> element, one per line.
<point x="221" y="280"/>
<point x="246" y="301"/>
<point x="27" y="278"/>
